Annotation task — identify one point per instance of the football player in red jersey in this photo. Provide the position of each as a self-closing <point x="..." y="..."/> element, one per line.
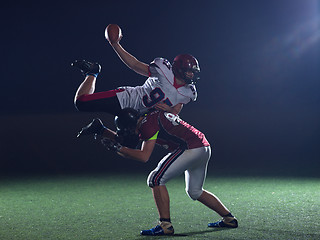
<point x="168" y="87"/>
<point x="189" y="153"/>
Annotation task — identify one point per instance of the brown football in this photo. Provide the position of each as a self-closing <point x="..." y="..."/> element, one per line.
<point x="113" y="33"/>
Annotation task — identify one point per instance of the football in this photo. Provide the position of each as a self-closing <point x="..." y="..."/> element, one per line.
<point x="113" y="33"/>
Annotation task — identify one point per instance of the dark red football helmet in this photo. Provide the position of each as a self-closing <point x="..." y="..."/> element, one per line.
<point x="184" y="63"/>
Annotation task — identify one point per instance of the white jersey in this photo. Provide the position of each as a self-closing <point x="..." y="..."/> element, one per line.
<point x="159" y="87"/>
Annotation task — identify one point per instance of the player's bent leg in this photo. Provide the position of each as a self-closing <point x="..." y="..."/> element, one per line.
<point x="162" y="201"/>
<point x="195" y="175"/>
<point x="99" y="102"/>
<point x="213" y="202"/>
<point x="194" y="194"/>
<point x="90" y="71"/>
<point x="87" y="87"/>
<point x="164" y="228"/>
<point x="170" y="166"/>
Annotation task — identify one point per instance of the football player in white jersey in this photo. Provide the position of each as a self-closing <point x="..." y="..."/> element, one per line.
<point x="168" y="87"/>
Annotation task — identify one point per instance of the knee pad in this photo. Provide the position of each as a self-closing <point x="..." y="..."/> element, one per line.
<point x="194" y="194"/>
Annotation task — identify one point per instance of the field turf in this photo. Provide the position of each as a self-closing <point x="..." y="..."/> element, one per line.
<point x="118" y="207"/>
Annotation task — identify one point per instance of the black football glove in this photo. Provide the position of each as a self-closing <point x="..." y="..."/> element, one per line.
<point x="130" y="141"/>
<point x="111" y="144"/>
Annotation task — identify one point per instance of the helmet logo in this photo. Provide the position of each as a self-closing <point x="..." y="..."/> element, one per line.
<point x="174" y="119"/>
<point x="167" y="63"/>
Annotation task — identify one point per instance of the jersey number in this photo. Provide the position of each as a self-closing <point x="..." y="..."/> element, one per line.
<point x="167" y="63"/>
<point x="156" y="95"/>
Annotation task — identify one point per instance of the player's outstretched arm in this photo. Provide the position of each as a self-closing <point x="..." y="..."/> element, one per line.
<point x="141" y="155"/>
<point x="113" y="34"/>
<point x="133" y="63"/>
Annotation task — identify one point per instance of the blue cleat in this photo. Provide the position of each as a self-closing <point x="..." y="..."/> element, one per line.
<point x="165" y="228"/>
<point x="226" y="222"/>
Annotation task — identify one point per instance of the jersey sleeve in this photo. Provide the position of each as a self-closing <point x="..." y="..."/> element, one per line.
<point x="160" y="66"/>
<point x="149" y="127"/>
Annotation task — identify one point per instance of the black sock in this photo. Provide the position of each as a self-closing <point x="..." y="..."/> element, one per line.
<point x="165" y="220"/>
<point x="228" y="215"/>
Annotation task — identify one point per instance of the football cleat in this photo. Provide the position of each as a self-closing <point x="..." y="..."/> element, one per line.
<point x="87" y="68"/>
<point x="164" y="228"/>
<point x="226" y="222"/>
<point x="96" y="128"/>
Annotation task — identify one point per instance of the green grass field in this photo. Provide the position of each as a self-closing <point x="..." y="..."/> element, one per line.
<point x="119" y="206"/>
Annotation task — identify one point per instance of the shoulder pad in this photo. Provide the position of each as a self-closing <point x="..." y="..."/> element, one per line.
<point x="160" y="65"/>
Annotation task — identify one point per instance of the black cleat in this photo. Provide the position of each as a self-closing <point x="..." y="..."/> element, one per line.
<point x="96" y="128"/>
<point x="87" y="68"/>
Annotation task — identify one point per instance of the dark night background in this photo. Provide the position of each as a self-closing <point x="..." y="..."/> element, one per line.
<point x="258" y="101"/>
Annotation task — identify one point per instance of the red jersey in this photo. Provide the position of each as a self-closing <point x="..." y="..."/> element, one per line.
<point x="172" y="132"/>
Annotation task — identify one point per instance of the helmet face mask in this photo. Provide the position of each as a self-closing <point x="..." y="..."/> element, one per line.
<point x="186" y="68"/>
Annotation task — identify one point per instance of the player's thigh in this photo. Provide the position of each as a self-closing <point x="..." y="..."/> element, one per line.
<point x="189" y="159"/>
<point x="166" y="169"/>
<point x="99" y="102"/>
<point x="196" y="174"/>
